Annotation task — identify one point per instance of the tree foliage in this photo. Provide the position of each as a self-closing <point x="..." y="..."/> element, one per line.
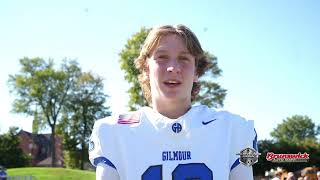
<point x="41" y="90"/>
<point x="296" y="129"/>
<point x="295" y="134"/>
<point x="65" y="99"/>
<point x="265" y="146"/>
<point x="11" y="156"/>
<point x="85" y="104"/>
<point x="128" y="54"/>
<point x="211" y="94"/>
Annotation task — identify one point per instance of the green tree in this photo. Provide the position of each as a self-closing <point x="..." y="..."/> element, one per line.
<point x="9" y="146"/>
<point x="36" y="123"/>
<point x="295" y="134"/>
<point x="265" y="146"/>
<point x="41" y="91"/>
<point x="296" y="129"/>
<point x="211" y="93"/>
<point x="85" y="105"/>
<point x="127" y="56"/>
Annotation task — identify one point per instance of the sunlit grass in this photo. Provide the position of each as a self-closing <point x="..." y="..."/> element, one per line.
<point x="52" y="173"/>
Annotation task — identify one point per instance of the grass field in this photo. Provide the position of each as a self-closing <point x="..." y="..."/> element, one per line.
<point x="52" y="173"/>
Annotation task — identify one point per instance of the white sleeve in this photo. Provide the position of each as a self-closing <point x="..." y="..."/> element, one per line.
<point x="101" y="146"/>
<point x="241" y="172"/>
<point x="244" y="136"/>
<point x="105" y="172"/>
<point x="95" y="149"/>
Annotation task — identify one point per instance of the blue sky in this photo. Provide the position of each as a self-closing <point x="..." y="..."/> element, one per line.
<point x="269" y="51"/>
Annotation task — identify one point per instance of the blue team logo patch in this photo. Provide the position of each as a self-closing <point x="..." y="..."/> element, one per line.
<point x="91" y="146"/>
<point x="176" y="127"/>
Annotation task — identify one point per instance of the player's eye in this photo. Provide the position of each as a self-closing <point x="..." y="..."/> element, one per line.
<point x="163" y="57"/>
<point x="184" y="58"/>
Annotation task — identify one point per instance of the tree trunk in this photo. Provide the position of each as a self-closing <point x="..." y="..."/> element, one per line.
<point x="83" y="143"/>
<point x="53" y="147"/>
<point x="82" y="155"/>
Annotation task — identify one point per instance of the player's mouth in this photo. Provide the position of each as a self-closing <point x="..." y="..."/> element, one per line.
<point x="172" y="83"/>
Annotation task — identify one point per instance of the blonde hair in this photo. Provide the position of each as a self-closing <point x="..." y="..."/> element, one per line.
<point x="202" y="62"/>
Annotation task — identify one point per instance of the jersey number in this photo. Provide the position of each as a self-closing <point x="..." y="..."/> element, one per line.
<point x="192" y="171"/>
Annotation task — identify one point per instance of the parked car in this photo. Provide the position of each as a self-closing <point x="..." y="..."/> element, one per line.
<point x="3" y="173"/>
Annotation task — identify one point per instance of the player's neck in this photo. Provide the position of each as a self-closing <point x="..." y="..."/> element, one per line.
<point x="170" y="109"/>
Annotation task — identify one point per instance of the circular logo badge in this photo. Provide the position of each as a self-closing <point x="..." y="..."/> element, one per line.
<point x="248" y="156"/>
<point x="176" y="127"/>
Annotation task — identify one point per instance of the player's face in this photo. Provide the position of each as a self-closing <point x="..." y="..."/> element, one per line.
<point x="171" y="70"/>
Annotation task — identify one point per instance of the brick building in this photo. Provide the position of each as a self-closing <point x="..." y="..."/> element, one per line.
<point x="38" y="147"/>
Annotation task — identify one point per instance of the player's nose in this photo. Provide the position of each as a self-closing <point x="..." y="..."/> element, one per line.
<point x="173" y="66"/>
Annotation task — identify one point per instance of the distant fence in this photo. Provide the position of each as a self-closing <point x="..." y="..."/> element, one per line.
<point x="21" y="178"/>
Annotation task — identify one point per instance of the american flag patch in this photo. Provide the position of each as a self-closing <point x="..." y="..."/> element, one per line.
<point x="129" y="118"/>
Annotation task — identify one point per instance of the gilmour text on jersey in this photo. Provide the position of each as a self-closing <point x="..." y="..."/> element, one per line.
<point x="176" y="155"/>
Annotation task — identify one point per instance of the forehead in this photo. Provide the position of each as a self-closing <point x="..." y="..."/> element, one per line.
<point x="171" y="42"/>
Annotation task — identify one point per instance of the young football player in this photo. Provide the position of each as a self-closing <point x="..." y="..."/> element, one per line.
<point x="171" y="139"/>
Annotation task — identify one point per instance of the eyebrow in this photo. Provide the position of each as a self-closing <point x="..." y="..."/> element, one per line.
<point x="184" y="52"/>
<point x="160" y="51"/>
<point x="164" y="51"/>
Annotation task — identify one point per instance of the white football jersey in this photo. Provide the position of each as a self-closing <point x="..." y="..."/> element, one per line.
<point x="200" y="145"/>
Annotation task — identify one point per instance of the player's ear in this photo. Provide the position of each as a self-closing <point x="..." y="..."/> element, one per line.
<point x="195" y="77"/>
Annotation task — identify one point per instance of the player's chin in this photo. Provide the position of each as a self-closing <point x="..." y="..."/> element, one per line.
<point x="173" y="95"/>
